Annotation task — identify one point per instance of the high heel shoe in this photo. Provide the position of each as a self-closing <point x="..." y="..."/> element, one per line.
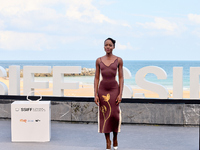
<point x="115" y="147"/>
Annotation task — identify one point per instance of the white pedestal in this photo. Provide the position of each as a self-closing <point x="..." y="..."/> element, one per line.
<point x="31" y="121"/>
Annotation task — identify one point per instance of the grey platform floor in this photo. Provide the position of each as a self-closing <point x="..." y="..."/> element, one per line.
<point x="73" y="136"/>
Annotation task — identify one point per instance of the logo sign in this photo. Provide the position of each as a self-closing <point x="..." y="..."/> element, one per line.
<point x="30" y="121"/>
<point x="33" y="109"/>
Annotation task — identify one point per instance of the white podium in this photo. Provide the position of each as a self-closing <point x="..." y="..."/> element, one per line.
<point x="31" y="121"/>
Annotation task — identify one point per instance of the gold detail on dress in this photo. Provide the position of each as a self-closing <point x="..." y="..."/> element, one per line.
<point x="106" y="98"/>
<point x="104" y="109"/>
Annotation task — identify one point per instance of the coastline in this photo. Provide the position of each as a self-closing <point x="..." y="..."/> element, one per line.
<point x="84" y="72"/>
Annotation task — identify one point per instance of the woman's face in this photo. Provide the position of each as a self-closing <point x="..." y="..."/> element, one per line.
<point x="108" y="46"/>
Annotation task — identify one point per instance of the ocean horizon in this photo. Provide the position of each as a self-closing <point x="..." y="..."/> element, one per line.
<point x="132" y="65"/>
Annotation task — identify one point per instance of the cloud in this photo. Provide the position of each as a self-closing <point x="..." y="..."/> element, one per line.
<point x="126" y="25"/>
<point x="141" y="15"/>
<point x="48" y="24"/>
<point x="55" y="16"/>
<point x="196" y="32"/>
<point x="105" y="2"/>
<point x="31" y="14"/>
<point x="1" y="24"/>
<point x="124" y="47"/>
<point x="84" y="11"/>
<point x="160" y="24"/>
<point x="194" y="18"/>
<point x="10" y="40"/>
<point x="12" y="7"/>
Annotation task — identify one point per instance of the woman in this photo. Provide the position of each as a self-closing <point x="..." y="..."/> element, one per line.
<point x="108" y="94"/>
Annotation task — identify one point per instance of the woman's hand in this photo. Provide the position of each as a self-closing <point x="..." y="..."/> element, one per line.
<point x="119" y="99"/>
<point x="96" y="100"/>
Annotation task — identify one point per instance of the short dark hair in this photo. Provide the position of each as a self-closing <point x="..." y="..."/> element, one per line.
<point x="112" y="40"/>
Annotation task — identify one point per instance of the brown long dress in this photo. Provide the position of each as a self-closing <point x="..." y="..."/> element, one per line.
<point x="109" y="113"/>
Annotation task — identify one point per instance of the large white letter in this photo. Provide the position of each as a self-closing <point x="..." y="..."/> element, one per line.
<point x="194" y="82"/>
<point x="178" y="82"/>
<point x="127" y="91"/>
<point x="58" y="79"/>
<point x="160" y="73"/>
<point x="14" y="80"/>
<point x="28" y="77"/>
<point x="3" y="87"/>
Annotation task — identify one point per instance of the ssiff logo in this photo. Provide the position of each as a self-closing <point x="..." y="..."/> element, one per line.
<point x="23" y="120"/>
<point x="16" y="109"/>
<point x="33" y="109"/>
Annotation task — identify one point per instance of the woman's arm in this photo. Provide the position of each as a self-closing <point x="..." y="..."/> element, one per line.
<point x="121" y="80"/>
<point x="96" y="82"/>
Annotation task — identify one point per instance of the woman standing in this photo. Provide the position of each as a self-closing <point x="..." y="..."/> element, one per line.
<point x="108" y="94"/>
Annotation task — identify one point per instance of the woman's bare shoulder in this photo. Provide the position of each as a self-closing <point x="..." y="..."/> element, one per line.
<point x="98" y="60"/>
<point x="119" y="59"/>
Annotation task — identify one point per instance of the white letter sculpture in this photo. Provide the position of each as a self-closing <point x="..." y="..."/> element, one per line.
<point x="127" y="90"/>
<point x="194" y="82"/>
<point x="29" y="84"/>
<point x="3" y="87"/>
<point x="160" y="73"/>
<point x="14" y="80"/>
<point x="178" y="82"/>
<point x="58" y="79"/>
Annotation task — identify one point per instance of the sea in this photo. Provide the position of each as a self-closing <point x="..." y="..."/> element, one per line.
<point x="132" y="65"/>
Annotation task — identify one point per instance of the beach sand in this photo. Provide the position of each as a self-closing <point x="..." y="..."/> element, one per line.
<point x="86" y="90"/>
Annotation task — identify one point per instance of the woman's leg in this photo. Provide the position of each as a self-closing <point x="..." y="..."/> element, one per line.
<point x="108" y="141"/>
<point x="115" y="143"/>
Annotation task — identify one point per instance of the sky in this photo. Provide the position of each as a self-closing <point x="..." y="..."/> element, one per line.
<point x="76" y="29"/>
